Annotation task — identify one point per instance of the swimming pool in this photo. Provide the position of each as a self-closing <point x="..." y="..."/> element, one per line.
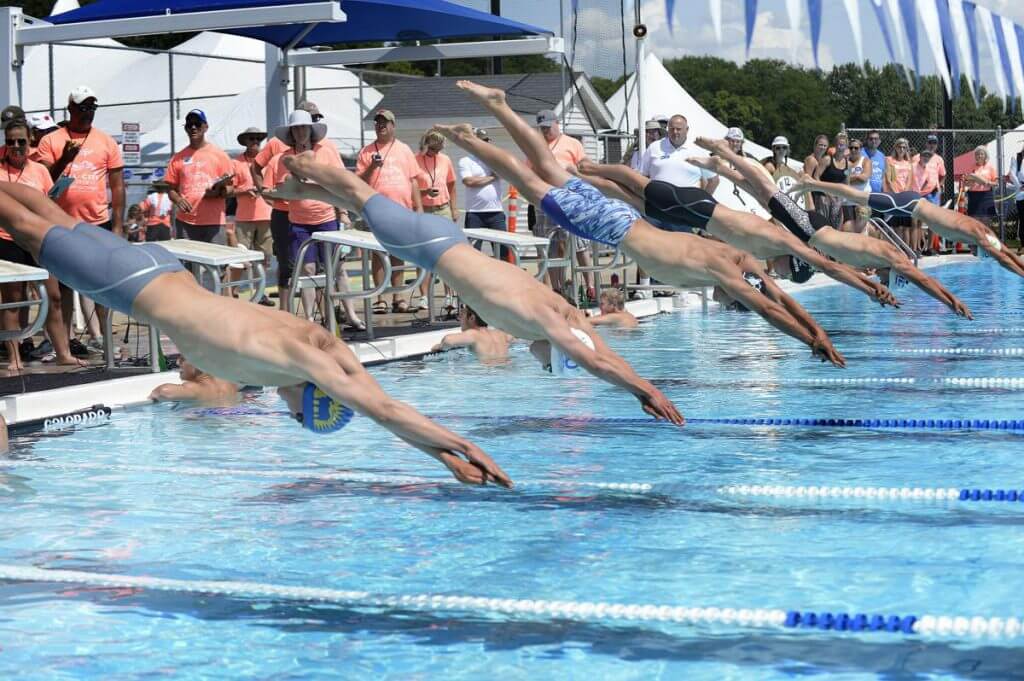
<point x="174" y="493"/>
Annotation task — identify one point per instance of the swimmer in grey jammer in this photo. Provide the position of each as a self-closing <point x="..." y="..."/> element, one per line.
<point x="316" y="374"/>
<point x="675" y="259"/>
<point x="857" y="250"/>
<point x="504" y="295"/>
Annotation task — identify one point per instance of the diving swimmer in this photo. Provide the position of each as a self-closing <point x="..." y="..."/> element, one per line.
<point x="675" y="259"/>
<point x="317" y="375"/>
<point x="810" y="227"/>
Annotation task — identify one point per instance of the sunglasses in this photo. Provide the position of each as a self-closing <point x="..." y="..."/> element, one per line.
<point x="193" y="124"/>
<point x="87" y="108"/>
<point x="780" y="147"/>
<point x="251" y="140"/>
<point x="16" y="142"/>
<point x="854" y="148"/>
<point x="317" y="117"/>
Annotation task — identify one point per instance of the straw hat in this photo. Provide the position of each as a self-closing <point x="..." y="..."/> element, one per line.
<point x="251" y="131"/>
<point x="297" y="118"/>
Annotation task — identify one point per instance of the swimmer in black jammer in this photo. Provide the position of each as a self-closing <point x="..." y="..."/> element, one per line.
<point x="317" y="375"/>
<point x="675" y="259"/>
<point x="487" y="344"/>
<point x="857" y="250"/>
<point x="948" y="224"/>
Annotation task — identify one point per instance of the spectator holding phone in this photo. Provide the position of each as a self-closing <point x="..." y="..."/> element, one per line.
<point x="200" y="178"/>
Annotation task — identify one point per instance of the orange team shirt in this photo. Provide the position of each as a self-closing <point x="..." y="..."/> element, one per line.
<point x="270" y="180"/>
<point x="394" y="178"/>
<point x="33" y="175"/>
<point x="437" y="173"/>
<point x="272" y="148"/>
<point x="986" y="171"/>
<point x="305" y="212"/>
<point x="86" y="198"/>
<point x="903" y="175"/>
<point x="926" y="178"/>
<point x="192" y="172"/>
<point x="157" y="209"/>
<point x="250" y="208"/>
<point x="568" y="151"/>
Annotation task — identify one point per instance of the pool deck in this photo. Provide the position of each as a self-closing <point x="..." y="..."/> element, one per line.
<point x="29" y="409"/>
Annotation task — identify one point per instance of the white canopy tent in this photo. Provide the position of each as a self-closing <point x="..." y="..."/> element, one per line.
<point x="663" y="95"/>
<point x="213" y="85"/>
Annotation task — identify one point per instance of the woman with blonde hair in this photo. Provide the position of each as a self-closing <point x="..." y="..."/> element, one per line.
<point x="980" y="181"/>
<point x="811" y="166"/>
<point x="899" y="177"/>
<point x="834" y="167"/>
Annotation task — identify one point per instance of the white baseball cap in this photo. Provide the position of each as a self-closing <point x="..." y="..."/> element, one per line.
<point x="41" y="121"/>
<point x="81" y="93"/>
<point x="780" y="141"/>
<point x="734" y="134"/>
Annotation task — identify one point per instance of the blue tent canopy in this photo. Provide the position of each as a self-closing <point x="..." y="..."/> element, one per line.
<point x="368" y="20"/>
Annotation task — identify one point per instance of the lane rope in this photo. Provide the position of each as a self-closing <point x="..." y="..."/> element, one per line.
<point x="760" y="618"/>
<point x="878" y="493"/>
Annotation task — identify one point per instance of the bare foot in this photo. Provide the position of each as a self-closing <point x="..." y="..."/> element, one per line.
<point x="299" y="164"/>
<point x="456" y="133"/>
<point x="488" y="96"/>
<point x="710" y="143"/>
<point x="71" y="361"/>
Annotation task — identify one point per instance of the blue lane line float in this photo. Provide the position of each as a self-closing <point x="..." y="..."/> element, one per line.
<point x="964" y="494"/>
<point x="921" y="626"/>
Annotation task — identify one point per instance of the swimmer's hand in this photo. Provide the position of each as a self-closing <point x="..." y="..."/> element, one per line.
<point x="476" y="469"/>
<point x="961" y="309"/>
<point x="822" y="347"/>
<point x="660" y="407"/>
<point x="884" y="296"/>
<point x="291" y="189"/>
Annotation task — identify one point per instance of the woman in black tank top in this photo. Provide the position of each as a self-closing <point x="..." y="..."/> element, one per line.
<point x="833" y="168"/>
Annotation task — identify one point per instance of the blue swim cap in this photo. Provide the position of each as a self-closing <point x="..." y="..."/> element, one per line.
<point x="321" y="413"/>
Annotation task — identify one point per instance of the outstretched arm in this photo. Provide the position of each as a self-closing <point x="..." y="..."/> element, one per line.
<point x="353" y="386"/>
<point x="779" y="315"/>
<point x="608" y="366"/>
<point x="902" y="266"/>
<point x="173" y="392"/>
<point x="847" y="275"/>
<point x="455" y="340"/>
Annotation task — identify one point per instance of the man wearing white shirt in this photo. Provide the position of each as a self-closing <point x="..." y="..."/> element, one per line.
<point x="665" y="160"/>
<point x="484" y="191"/>
<point x="1017" y="182"/>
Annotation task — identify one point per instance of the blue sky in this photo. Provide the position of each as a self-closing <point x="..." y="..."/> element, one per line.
<point x="694" y="34"/>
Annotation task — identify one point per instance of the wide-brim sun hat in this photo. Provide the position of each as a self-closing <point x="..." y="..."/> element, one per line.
<point x="297" y="118"/>
<point x="251" y="131"/>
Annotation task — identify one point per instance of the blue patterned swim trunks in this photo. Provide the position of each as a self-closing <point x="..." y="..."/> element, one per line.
<point x="581" y="209"/>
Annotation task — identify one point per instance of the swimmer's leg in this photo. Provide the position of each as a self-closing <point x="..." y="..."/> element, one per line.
<point x="507" y="166"/>
<point x="757" y="183"/>
<point x="614" y="190"/>
<point x="28" y="215"/>
<point x="621" y="174"/>
<point x="526" y="138"/>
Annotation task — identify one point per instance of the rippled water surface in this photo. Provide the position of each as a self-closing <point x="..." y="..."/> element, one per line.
<point x="126" y="498"/>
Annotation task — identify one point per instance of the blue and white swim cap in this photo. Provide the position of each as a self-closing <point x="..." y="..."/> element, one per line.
<point x="321" y="413"/>
<point x="562" y="364"/>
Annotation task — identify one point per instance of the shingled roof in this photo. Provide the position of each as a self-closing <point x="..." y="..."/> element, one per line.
<point x="426" y="97"/>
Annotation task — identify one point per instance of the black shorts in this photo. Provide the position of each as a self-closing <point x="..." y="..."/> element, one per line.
<point x="794" y="218"/>
<point x="849" y="213"/>
<point x="158" y="233"/>
<point x="689" y="206"/>
<point x="204" y="233"/>
<point x="12" y="252"/>
<point x="490" y="220"/>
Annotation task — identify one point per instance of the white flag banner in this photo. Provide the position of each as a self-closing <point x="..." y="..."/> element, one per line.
<point x="988" y="38"/>
<point x="853" y="12"/>
<point x="795" y="11"/>
<point x="963" y="43"/>
<point x="1013" y="55"/>
<point x="716" y="18"/>
<point x="929" y="14"/>
<point x="899" y="39"/>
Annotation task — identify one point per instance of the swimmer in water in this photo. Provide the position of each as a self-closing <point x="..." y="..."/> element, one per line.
<point x="949" y="224"/>
<point x="612" y="305"/>
<point x="486" y="343"/>
<point x="679" y="260"/>
<point x="196" y="386"/>
<point x="317" y="375"/>
<point x="506" y="296"/>
<point x="857" y="250"/>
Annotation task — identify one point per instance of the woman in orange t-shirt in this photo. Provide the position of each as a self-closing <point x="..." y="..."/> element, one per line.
<point x="16" y="168"/>
<point x="981" y="203"/>
<point x="899" y="177"/>
<point x="306" y="216"/>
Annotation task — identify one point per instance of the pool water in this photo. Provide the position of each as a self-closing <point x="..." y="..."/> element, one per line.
<point x="125" y="498"/>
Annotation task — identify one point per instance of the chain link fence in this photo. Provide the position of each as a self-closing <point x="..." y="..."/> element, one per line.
<point x="956" y="148"/>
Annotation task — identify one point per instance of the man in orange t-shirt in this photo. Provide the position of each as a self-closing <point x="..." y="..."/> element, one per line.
<point x="200" y="178"/>
<point x="389" y="166"/>
<point x="91" y="159"/>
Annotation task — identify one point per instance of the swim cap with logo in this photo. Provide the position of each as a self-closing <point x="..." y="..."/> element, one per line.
<point x="321" y="413"/>
<point x="562" y="364"/>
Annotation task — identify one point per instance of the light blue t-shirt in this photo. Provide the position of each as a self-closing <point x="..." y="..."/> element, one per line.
<point x="877" y="168"/>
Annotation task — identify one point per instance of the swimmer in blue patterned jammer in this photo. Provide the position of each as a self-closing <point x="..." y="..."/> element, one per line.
<point x="317" y="375"/>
